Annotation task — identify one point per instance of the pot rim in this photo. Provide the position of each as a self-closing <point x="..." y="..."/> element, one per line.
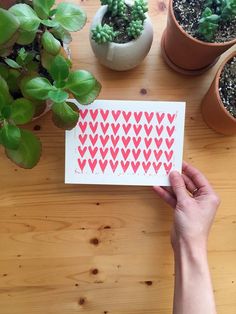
<point x="216" y="85"/>
<point x="129" y="43"/>
<point x="171" y="10"/>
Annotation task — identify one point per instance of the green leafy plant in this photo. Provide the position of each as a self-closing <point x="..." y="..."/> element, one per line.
<point x="215" y="12"/>
<point x="34" y="70"/>
<point x="125" y="21"/>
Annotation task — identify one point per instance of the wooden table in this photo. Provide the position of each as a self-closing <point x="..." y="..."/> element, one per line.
<point x="68" y="249"/>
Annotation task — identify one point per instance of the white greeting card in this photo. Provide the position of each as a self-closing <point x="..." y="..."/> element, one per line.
<point x="126" y="143"/>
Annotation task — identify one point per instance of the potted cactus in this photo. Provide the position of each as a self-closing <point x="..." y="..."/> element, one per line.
<point x="35" y="73"/>
<point x="219" y="104"/>
<point x="121" y="33"/>
<point x="197" y="33"/>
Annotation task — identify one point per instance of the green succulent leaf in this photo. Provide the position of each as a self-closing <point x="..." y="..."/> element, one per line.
<point x="4" y="70"/>
<point x="26" y="37"/>
<point x="50" y="23"/>
<point x="70" y="16"/>
<point x="37" y="88"/>
<point x="62" y="34"/>
<point x="64" y="116"/>
<point x="58" y="96"/>
<point x="28" y="154"/>
<point x="12" y="23"/>
<point x="6" y="112"/>
<point x="10" y="136"/>
<point x="84" y="86"/>
<point x="22" y="111"/>
<point x="29" y="21"/>
<point x="59" y="69"/>
<point x="50" y="43"/>
<point x="46" y="59"/>
<point x="13" y="64"/>
<point x="5" y="98"/>
<point x="43" y="7"/>
<point x="13" y="80"/>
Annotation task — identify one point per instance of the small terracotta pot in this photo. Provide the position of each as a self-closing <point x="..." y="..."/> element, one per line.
<point x="213" y="110"/>
<point x="122" y="57"/>
<point x="188" y="55"/>
<point x="6" y="4"/>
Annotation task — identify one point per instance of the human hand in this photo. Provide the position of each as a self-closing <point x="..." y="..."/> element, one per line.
<point x="195" y="204"/>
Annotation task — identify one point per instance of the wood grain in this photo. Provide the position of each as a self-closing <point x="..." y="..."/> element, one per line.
<point x="104" y="249"/>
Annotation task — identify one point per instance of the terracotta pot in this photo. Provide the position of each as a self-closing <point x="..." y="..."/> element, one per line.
<point x="213" y="110"/>
<point x="122" y="57"/>
<point x="6" y="4"/>
<point x="188" y="55"/>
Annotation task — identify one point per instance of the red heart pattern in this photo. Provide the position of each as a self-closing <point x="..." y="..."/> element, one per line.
<point x="125" y="142"/>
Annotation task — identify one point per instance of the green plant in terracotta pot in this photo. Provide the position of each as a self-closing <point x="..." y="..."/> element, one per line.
<point x="197" y="33"/>
<point x="35" y="74"/>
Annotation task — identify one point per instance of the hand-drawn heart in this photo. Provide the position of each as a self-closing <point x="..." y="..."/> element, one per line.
<point x="113" y="165"/>
<point x="126" y="116"/>
<point x="83" y="114"/>
<point x="146" y="166"/>
<point x="147" y="154"/>
<point x="104" y="114"/>
<point x="115" y="127"/>
<point x="136" y="153"/>
<point x="169" y="143"/>
<point x="93" y="151"/>
<point x="103" y="165"/>
<point x="114" y="152"/>
<point x="115" y="140"/>
<point x="135" y="166"/>
<point x="93" y="113"/>
<point x="116" y="114"/>
<point x="138" y="116"/>
<point x="83" y="126"/>
<point x="104" y="140"/>
<point x="83" y="138"/>
<point x="159" y="129"/>
<point x="126" y="140"/>
<point x="103" y="152"/>
<point x="93" y="139"/>
<point x="125" y="153"/>
<point x="82" y="164"/>
<point x="149" y="116"/>
<point x="168" y="167"/>
<point x="93" y="126"/>
<point x="148" y="141"/>
<point x="169" y="155"/>
<point x="125" y="165"/>
<point x="126" y="128"/>
<point x="137" y="141"/>
<point x="158" y="154"/>
<point x="92" y="164"/>
<point x="170" y="131"/>
<point x="137" y="129"/>
<point x="82" y="151"/>
<point x="171" y="117"/>
<point x="104" y="127"/>
<point x="157" y="166"/>
<point x="158" y="142"/>
<point x="160" y="117"/>
<point x="148" y="129"/>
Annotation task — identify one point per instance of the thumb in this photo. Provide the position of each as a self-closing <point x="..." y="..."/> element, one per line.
<point x="178" y="186"/>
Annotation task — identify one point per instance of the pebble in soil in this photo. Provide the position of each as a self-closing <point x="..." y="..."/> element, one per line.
<point x="188" y="13"/>
<point x="227" y="86"/>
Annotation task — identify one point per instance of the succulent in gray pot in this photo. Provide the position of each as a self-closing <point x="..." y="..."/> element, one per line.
<point x="35" y="71"/>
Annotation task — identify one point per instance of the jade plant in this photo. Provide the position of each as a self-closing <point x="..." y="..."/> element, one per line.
<point x="121" y="23"/>
<point x="34" y="72"/>
<point x="215" y="12"/>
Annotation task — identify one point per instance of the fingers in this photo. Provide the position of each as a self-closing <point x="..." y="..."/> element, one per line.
<point x="189" y="184"/>
<point x="197" y="177"/>
<point x="165" y="196"/>
<point x="178" y="186"/>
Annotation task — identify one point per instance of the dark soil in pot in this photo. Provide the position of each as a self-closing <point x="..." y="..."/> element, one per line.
<point x="188" y="14"/>
<point x="227" y="86"/>
<point x="119" y="24"/>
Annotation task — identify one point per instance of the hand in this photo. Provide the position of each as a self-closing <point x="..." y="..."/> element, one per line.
<point x="195" y="204"/>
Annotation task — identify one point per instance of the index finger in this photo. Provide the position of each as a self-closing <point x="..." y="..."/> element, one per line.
<point x="197" y="177"/>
